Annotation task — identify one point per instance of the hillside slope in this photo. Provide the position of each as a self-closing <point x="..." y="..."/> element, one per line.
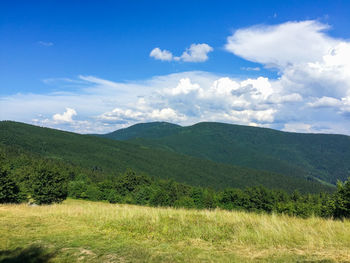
<point x="322" y="156"/>
<point x="114" y="157"/>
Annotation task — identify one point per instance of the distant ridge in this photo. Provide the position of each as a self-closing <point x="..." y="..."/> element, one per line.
<point x="322" y="156"/>
<point x="113" y="157"/>
<point x="151" y="130"/>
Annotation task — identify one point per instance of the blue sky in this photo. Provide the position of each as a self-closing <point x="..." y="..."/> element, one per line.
<point x="88" y="66"/>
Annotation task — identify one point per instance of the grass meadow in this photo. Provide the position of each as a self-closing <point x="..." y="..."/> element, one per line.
<point x="84" y="231"/>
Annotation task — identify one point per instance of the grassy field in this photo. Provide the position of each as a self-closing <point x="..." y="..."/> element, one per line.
<point x="99" y="232"/>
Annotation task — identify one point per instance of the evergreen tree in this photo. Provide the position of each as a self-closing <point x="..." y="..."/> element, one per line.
<point x="9" y="191"/>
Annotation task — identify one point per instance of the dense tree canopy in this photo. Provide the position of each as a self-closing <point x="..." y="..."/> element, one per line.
<point x="24" y="177"/>
<point x="9" y="190"/>
<point x="48" y="183"/>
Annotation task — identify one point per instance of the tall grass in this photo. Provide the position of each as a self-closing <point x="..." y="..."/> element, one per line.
<point x="100" y="232"/>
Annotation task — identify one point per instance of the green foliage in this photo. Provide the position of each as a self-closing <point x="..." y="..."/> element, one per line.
<point x="341" y="200"/>
<point x="114" y="197"/>
<point x="46" y="179"/>
<point x="9" y="190"/>
<point x="185" y="202"/>
<point x="150" y="130"/>
<point x="160" y="198"/>
<point x="48" y="184"/>
<point x="100" y="157"/>
<point x="322" y="156"/>
<point x="77" y="189"/>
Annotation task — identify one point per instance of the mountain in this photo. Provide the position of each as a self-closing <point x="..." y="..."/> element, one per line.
<point x="325" y="157"/>
<point x="113" y="157"/>
<point x="151" y="130"/>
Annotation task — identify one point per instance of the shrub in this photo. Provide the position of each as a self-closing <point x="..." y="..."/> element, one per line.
<point x="114" y="197"/>
<point x="77" y="189"/>
<point x="48" y="184"/>
<point x="185" y="202"/>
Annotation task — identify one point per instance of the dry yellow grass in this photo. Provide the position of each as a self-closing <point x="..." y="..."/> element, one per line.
<point x="99" y="232"/>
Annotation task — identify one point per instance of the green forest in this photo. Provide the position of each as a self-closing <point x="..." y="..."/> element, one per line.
<point x="31" y="178"/>
<point x="325" y="157"/>
<point x="44" y="166"/>
<point x="111" y="157"/>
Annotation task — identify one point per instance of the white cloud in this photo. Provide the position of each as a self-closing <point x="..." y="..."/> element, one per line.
<point x="163" y="55"/>
<point x="277" y="98"/>
<point x="325" y="102"/>
<point x="310" y="62"/>
<point x="166" y="114"/>
<point x="281" y="45"/>
<point x="184" y="87"/>
<point x="195" y="53"/>
<point x="66" y="116"/>
<point x="297" y="127"/>
<point x="122" y="116"/>
<point x="314" y="69"/>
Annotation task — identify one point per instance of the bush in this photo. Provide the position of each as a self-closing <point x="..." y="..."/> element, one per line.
<point x="185" y="202"/>
<point x="160" y="198"/>
<point x="341" y="200"/>
<point x="114" y="197"/>
<point x="48" y="184"/>
<point x="143" y="195"/>
<point x="93" y="193"/>
<point x="77" y="189"/>
<point x="9" y="191"/>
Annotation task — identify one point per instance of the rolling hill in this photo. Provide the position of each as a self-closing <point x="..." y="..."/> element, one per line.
<point x="322" y="156"/>
<point x="114" y="157"/>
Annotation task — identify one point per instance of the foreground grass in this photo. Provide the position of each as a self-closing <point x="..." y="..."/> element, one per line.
<point x="98" y="232"/>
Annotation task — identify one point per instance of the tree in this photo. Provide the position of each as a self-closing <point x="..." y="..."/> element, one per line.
<point x="341" y="200"/>
<point x="78" y="189"/>
<point x="160" y="198"/>
<point x="185" y="202"/>
<point x="9" y="191"/>
<point x="48" y="183"/>
<point x="114" y="197"/>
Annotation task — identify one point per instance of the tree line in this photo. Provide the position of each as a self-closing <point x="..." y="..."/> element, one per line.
<point x="47" y="181"/>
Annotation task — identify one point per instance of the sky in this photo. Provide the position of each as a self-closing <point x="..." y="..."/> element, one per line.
<point x="97" y="66"/>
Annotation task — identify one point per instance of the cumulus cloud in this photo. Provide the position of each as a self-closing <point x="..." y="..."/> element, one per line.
<point x="281" y="45"/>
<point x="163" y="55"/>
<point x="312" y="65"/>
<point x="325" y="102"/>
<point x="166" y="114"/>
<point x="310" y="62"/>
<point x="66" y="116"/>
<point x="184" y="87"/>
<point x="195" y="53"/>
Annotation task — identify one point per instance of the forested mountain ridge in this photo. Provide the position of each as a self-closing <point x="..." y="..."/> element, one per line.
<point x="114" y="157"/>
<point x="150" y="130"/>
<point x="322" y="156"/>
